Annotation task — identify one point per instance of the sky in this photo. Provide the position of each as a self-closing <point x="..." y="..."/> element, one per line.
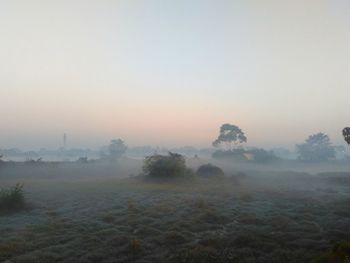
<point x="169" y="73"/>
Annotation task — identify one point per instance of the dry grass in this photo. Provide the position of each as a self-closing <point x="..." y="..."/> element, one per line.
<point x="206" y="221"/>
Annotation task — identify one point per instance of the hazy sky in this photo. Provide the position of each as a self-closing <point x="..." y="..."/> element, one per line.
<point x="170" y="73"/>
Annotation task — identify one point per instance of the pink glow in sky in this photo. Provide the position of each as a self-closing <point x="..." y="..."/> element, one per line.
<point x="171" y="72"/>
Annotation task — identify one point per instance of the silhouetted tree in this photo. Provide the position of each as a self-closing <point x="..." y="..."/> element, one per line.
<point x="346" y="134"/>
<point x="230" y="135"/>
<point x="116" y="149"/>
<point x="317" y="147"/>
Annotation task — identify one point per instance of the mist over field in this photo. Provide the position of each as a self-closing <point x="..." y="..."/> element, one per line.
<point x="175" y="131"/>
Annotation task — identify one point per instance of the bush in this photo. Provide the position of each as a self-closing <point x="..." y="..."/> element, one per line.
<point x="12" y="199"/>
<point x="262" y="156"/>
<point x="208" y="170"/>
<point x="165" y="166"/>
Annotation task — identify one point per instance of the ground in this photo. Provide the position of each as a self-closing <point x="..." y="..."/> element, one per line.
<point x="73" y="216"/>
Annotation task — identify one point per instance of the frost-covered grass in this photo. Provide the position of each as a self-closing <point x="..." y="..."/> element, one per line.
<point x="265" y="217"/>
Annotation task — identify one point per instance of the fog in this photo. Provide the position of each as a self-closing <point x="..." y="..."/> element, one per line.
<point x="175" y="131"/>
<point x="115" y="210"/>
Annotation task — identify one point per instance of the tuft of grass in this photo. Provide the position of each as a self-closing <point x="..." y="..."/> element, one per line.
<point x="246" y="197"/>
<point x="174" y="238"/>
<point x="340" y="253"/>
<point x="12" y="199"/>
<point x="108" y="218"/>
<point x="200" y="203"/>
<point x="131" y="204"/>
<point x="135" y="245"/>
<point x="9" y="249"/>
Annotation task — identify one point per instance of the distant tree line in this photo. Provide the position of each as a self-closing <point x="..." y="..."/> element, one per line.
<point x="229" y="145"/>
<point x="317" y="147"/>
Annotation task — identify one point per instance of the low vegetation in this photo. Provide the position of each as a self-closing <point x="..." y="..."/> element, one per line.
<point x="12" y="199"/>
<point x="209" y="170"/>
<point x="340" y="253"/>
<point x="267" y="217"/>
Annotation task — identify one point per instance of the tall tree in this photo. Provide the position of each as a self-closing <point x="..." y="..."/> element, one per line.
<point x="346" y="134"/>
<point x="116" y="149"/>
<point x="317" y="147"/>
<point x="230" y="135"/>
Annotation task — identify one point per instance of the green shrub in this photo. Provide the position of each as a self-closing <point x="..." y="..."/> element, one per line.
<point x="12" y="199"/>
<point x="208" y="170"/>
<point x="165" y="166"/>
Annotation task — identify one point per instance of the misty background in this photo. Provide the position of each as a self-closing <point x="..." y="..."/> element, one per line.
<point x="169" y="73"/>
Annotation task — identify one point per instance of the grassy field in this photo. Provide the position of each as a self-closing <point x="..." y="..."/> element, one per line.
<point x="90" y="213"/>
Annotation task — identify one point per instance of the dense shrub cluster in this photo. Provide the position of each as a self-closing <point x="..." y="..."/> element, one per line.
<point x="12" y="199"/>
<point x="208" y="170"/>
<point x="165" y="166"/>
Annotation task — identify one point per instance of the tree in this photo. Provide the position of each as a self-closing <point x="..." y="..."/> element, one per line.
<point x="346" y="134"/>
<point x="116" y="149"/>
<point x="165" y="166"/>
<point x="230" y="135"/>
<point x="317" y="147"/>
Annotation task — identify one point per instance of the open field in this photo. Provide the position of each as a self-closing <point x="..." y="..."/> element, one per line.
<point x="96" y="213"/>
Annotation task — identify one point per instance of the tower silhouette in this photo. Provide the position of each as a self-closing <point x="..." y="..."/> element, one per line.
<point x="64" y="140"/>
